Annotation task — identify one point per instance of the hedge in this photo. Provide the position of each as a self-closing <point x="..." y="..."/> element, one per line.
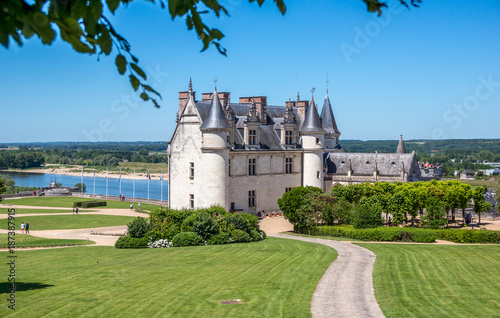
<point x="89" y="204"/>
<point x="379" y="234"/>
<point x="469" y="236"/>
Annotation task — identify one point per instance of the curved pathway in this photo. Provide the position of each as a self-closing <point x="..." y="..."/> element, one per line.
<point x="346" y="288"/>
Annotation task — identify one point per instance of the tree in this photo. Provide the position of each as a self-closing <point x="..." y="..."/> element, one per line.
<point x="292" y="201"/>
<point x="84" y="25"/>
<point x="367" y="214"/>
<point x="436" y="215"/>
<point x="480" y="205"/>
<point x="81" y="187"/>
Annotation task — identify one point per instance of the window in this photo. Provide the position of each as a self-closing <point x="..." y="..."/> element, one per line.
<point x="288" y="137"/>
<point x="252" y="137"/>
<point x="288" y="189"/>
<point x="288" y="165"/>
<point x="251" y="199"/>
<point x="317" y="140"/>
<point x="318" y="174"/>
<point x="191" y="201"/>
<point x="191" y="170"/>
<point x="229" y="168"/>
<point x="252" y="163"/>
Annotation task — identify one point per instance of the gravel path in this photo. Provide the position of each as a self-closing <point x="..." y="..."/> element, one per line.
<point x="346" y="288"/>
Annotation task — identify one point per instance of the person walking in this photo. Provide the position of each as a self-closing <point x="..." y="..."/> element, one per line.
<point x="131" y="206"/>
<point x="22" y="227"/>
<point x="76" y="210"/>
<point x="27" y="227"/>
<point x="73" y="210"/>
<point x="139" y="205"/>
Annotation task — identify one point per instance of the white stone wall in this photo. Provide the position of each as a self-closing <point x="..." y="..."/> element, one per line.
<point x="213" y="188"/>
<point x="270" y="182"/>
<point x="313" y="160"/>
<point x="185" y="147"/>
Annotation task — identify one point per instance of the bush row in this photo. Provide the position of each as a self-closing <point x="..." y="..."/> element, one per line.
<point x="469" y="236"/>
<point x="380" y="234"/>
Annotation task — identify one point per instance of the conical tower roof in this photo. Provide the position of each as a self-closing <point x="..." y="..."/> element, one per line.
<point x="327" y="118"/>
<point x="215" y="117"/>
<point x="401" y="145"/>
<point x="312" y="123"/>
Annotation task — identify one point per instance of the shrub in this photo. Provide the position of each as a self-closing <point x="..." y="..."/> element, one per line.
<point x="239" y="222"/>
<point x="187" y="239"/>
<point x="138" y="227"/>
<point x="469" y="236"/>
<point x="367" y="214"/>
<point x="205" y="226"/>
<point x="131" y="242"/>
<point x="239" y="236"/>
<point x="217" y="239"/>
<point x="256" y="235"/>
<point x="187" y="225"/>
<point x="291" y="202"/>
<point x="436" y="214"/>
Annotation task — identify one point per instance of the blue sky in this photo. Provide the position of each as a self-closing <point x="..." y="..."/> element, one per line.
<point x="428" y="73"/>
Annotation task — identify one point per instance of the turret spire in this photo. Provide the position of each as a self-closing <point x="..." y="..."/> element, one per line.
<point x="327" y="118"/>
<point x="312" y="123"/>
<point x="401" y="145"/>
<point x="215" y="117"/>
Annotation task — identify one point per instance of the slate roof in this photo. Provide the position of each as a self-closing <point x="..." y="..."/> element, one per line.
<point x="387" y="164"/>
<point x="312" y="123"/>
<point x="327" y="118"/>
<point x="215" y="117"/>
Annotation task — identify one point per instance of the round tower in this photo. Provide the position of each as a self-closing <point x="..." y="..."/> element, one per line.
<point x="312" y="135"/>
<point x="215" y="156"/>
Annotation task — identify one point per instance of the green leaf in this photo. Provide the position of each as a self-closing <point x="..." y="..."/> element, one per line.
<point x="144" y="96"/>
<point x="121" y="63"/>
<point x="104" y="41"/>
<point x="112" y="5"/>
<point x="138" y="70"/>
<point x="134" y="81"/>
<point x="150" y="89"/>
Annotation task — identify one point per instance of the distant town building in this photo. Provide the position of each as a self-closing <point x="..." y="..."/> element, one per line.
<point x="467" y="175"/>
<point x="245" y="155"/>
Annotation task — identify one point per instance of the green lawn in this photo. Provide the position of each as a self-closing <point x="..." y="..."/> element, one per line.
<point x="60" y="222"/>
<point x="274" y="278"/>
<point x="33" y="211"/>
<point x="414" y="280"/>
<point x="331" y="238"/>
<point x="33" y="241"/>
<point x="68" y="202"/>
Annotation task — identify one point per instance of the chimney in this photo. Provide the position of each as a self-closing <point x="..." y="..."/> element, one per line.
<point x="245" y="100"/>
<point x="261" y="103"/>
<point x="224" y="98"/>
<point x="183" y="97"/>
<point x="302" y="106"/>
<point x="290" y="104"/>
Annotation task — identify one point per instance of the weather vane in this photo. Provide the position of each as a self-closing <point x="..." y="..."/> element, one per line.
<point x="327" y="81"/>
<point x="215" y="81"/>
<point x="313" y="90"/>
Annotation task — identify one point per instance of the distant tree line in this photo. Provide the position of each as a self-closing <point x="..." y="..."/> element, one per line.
<point x="24" y="157"/>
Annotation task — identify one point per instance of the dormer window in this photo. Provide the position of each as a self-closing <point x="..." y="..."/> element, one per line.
<point x="288" y="137"/>
<point x="252" y="136"/>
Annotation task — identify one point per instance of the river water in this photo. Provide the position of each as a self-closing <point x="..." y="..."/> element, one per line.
<point x="127" y="185"/>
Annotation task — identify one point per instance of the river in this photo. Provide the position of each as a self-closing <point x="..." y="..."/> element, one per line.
<point x="127" y="185"/>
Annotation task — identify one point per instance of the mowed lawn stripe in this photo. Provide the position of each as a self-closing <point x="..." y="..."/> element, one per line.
<point x="275" y="278"/>
<point x="34" y="211"/>
<point x="62" y="222"/>
<point x="67" y="202"/>
<point x="421" y="280"/>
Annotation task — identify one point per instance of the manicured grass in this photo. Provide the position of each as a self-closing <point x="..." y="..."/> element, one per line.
<point x="274" y="278"/>
<point x="68" y="202"/>
<point x="436" y="280"/>
<point x="60" y="222"/>
<point x="33" y="211"/>
<point x="24" y="240"/>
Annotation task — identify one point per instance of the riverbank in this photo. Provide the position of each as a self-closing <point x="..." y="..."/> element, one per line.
<point x="76" y="171"/>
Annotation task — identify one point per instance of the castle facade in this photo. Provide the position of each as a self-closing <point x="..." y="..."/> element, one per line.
<point x="244" y="156"/>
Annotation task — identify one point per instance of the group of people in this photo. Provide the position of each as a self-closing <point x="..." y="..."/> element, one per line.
<point x="468" y="218"/>
<point x="75" y="210"/>
<point x="25" y="227"/>
<point x="122" y="197"/>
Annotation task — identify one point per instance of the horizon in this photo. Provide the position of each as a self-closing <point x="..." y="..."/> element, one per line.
<point x="429" y="73"/>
